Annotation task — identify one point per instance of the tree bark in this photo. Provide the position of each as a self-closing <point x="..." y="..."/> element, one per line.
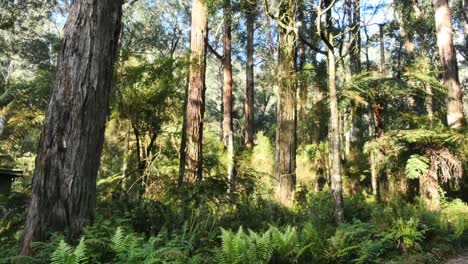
<point x="382" y="50"/>
<point x="376" y="157"/>
<point x="334" y="139"/>
<point x="448" y="60"/>
<point x="355" y="39"/>
<point x="334" y="129"/>
<point x="64" y="184"/>
<point x="353" y="134"/>
<point x="227" y="90"/>
<point x="249" y="88"/>
<point x="285" y="160"/>
<point x="191" y="148"/>
<point x="301" y="84"/>
<point x="429" y="101"/>
<point x="465" y="23"/>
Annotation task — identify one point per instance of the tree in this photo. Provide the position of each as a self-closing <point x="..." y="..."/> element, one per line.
<point x="352" y="134"/>
<point x="227" y="86"/>
<point x="448" y="60"/>
<point x="334" y="131"/>
<point x="285" y="160"/>
<point x="465" y="21"/>
<point x="190" y="168"/>
<point x="249" y="71"/>
<point x="355" y="36"/>
<point x="64" y="184"/>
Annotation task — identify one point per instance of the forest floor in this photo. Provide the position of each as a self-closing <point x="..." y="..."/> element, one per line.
<point x="460" y="259"/>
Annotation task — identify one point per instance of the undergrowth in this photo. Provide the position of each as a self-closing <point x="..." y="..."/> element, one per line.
<point x="396" y="232"/>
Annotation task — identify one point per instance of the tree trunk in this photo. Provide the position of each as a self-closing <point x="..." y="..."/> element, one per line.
<point x="249" y="88"/>
<point x="334" y="132"/>
<point x="285" y="161"/>
<point x="64" y="184"/>
<point x="352" y="134"/>
<point x="448" y="59"/>
<point x="429" y="102"/>
<point x="301" y="84"/>
<point x="191" y="153"/>
<point x="227" y="91"/>
<point x="429" y="190"/>
<point x="382" y="50"/>
<point x="376" y="155"/>
<point x="465" y="23"/>
<point x="334" y="139"/>
<point x="355" y="39"/>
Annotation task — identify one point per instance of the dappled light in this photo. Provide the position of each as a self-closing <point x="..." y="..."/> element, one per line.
<point x="233" y="131"/>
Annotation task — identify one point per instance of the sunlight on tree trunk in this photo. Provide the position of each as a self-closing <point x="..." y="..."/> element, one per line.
<point x="249" y="88"/>
<point x="64" y="185"/>
<point x="191" y="149"/>
<point x="448" y="60"/>
<point x="334" y="128"/>
<point x="227" y="91"/>
<point x="285" y="161"/>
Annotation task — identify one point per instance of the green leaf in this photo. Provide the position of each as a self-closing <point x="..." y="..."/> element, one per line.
<point x="416" y="166"/>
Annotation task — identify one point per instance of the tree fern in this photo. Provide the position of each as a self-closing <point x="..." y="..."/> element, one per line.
<point x="416" y="165"/>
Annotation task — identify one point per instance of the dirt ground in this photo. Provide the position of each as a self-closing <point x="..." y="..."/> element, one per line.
<point x="460" y="259"/>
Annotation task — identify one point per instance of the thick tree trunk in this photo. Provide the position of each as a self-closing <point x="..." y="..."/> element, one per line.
<point x="285" y="161"/>
<point x="64" y="185"/>
<point x="227" y="91"/>
<point x="191" y="150"/>
<point x="249" y="88"/>
<point x="448" y="59"/>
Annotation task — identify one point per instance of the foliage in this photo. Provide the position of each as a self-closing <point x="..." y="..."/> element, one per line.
<point x="416" y="166"/>
<point x="66" y="255"/>
<point x="245" y="248"/>
<point x="407" y="234"/>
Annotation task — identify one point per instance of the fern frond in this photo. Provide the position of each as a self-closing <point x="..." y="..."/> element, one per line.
<point x="63" y="254"/>
<point x="416" y="165"/>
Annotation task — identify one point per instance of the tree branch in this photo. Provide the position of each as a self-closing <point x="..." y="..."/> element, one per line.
<point x="310" y="45"/>
<point x="214" y="52"/>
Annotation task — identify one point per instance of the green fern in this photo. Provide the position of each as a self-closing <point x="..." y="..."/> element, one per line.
<point x="416" y="166"/>
<point x="244" y="247"/>
<point x="64" y="253"/>
<point x="80" y="252"/>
